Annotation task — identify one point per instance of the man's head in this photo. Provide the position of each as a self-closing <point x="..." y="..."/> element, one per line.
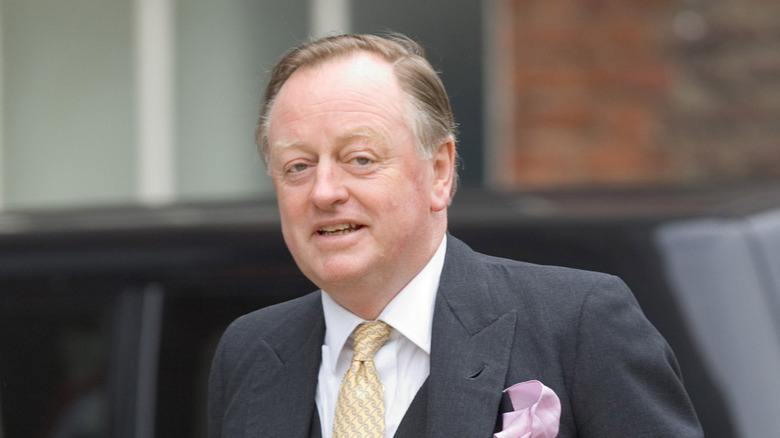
<point x="428" y="114"/>
<point x="362" y="209"/>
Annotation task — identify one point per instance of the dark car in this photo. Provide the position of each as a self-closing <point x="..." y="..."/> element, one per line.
<point x="109" y="317"/>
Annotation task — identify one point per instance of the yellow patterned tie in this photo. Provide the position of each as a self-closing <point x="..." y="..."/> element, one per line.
<point x="360" y="410"/>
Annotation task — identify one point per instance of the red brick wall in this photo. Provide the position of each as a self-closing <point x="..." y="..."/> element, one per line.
<point x="722" y="112"/>
<point x="636" y="91"/>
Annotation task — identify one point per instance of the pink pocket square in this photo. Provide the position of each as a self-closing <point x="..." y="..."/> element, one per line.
<point x="537" y="412"/>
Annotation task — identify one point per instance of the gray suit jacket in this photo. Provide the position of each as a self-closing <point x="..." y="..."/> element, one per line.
<point x="496" y="322"/>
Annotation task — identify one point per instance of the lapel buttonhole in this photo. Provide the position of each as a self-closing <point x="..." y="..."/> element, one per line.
<point x="478" y="372"/>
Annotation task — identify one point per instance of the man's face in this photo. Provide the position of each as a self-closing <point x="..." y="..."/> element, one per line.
<point x="358" y="207"/>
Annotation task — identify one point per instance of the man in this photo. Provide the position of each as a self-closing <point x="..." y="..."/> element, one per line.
<point x="358" y="137"/>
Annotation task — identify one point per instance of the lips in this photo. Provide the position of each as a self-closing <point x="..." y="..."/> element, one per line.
<point x="338" y="229"/>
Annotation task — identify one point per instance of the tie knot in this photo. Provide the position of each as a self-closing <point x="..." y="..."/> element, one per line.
<point x="369" y="338"/>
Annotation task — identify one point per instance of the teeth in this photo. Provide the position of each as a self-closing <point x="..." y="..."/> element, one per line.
<point x="338" y="229"/>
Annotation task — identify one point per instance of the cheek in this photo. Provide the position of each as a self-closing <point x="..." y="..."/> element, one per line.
<point x="408" y="202"/>
<point x="289" y="197"/>
<point x="290" y="214"/>
<point x="420" y="188"/>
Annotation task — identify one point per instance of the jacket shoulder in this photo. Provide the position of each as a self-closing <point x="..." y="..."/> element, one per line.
<point x="513" y="283"/>
<point x="265" y="323"/>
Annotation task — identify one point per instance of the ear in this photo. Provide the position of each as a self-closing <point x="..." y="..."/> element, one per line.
<point x="443" y="162"/>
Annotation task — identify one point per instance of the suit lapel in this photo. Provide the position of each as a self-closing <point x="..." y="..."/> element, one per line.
<point x="415" y="421"/>
<point x="471" y="345"/>
<point x="283" y="395"/>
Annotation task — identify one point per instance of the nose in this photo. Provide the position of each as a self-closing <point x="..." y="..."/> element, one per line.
<point x="329" y="187"/>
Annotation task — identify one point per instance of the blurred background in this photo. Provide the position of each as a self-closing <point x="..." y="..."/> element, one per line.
<point x="640" y="138"/>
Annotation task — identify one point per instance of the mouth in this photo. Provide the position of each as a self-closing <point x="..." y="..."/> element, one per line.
<point x="338" y="229"/>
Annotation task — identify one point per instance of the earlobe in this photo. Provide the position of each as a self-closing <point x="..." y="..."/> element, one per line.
<point x="443" y="173"/>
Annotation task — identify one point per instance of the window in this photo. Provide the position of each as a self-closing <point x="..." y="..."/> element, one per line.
<point x="54" y="350"/>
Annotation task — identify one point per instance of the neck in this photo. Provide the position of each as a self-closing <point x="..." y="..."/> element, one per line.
<point x="367" y="300"/>
<point x="368" y="297"/>
<point x="368" y="312"/>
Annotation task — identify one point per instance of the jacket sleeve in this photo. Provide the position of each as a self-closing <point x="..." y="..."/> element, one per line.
<point x="626" y="381"/>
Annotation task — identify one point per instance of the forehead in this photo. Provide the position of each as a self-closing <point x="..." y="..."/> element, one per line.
<point x="350" y="84"/>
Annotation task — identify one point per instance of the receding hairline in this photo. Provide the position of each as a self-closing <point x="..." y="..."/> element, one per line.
<point x="406" y="99"/>
<point x="427" y="108"/>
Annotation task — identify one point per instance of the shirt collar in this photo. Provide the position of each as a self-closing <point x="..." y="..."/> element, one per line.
<point x="410" y="313"/>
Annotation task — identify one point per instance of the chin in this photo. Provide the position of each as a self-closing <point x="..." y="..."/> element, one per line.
<point x="332" y="278"/>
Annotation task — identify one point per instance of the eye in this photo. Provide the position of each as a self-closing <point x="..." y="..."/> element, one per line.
<point x="298" y="167"/>
<point x="362" y="161"/>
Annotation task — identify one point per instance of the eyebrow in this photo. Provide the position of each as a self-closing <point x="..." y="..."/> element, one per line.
<point x="366" y="132"/>
<point x="284" y="144"/>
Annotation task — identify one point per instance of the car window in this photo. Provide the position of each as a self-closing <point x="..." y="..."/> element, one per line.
<point x="54" y="347"/>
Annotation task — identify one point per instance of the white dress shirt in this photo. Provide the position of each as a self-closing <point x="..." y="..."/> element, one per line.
<point x="403" y="363"/>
